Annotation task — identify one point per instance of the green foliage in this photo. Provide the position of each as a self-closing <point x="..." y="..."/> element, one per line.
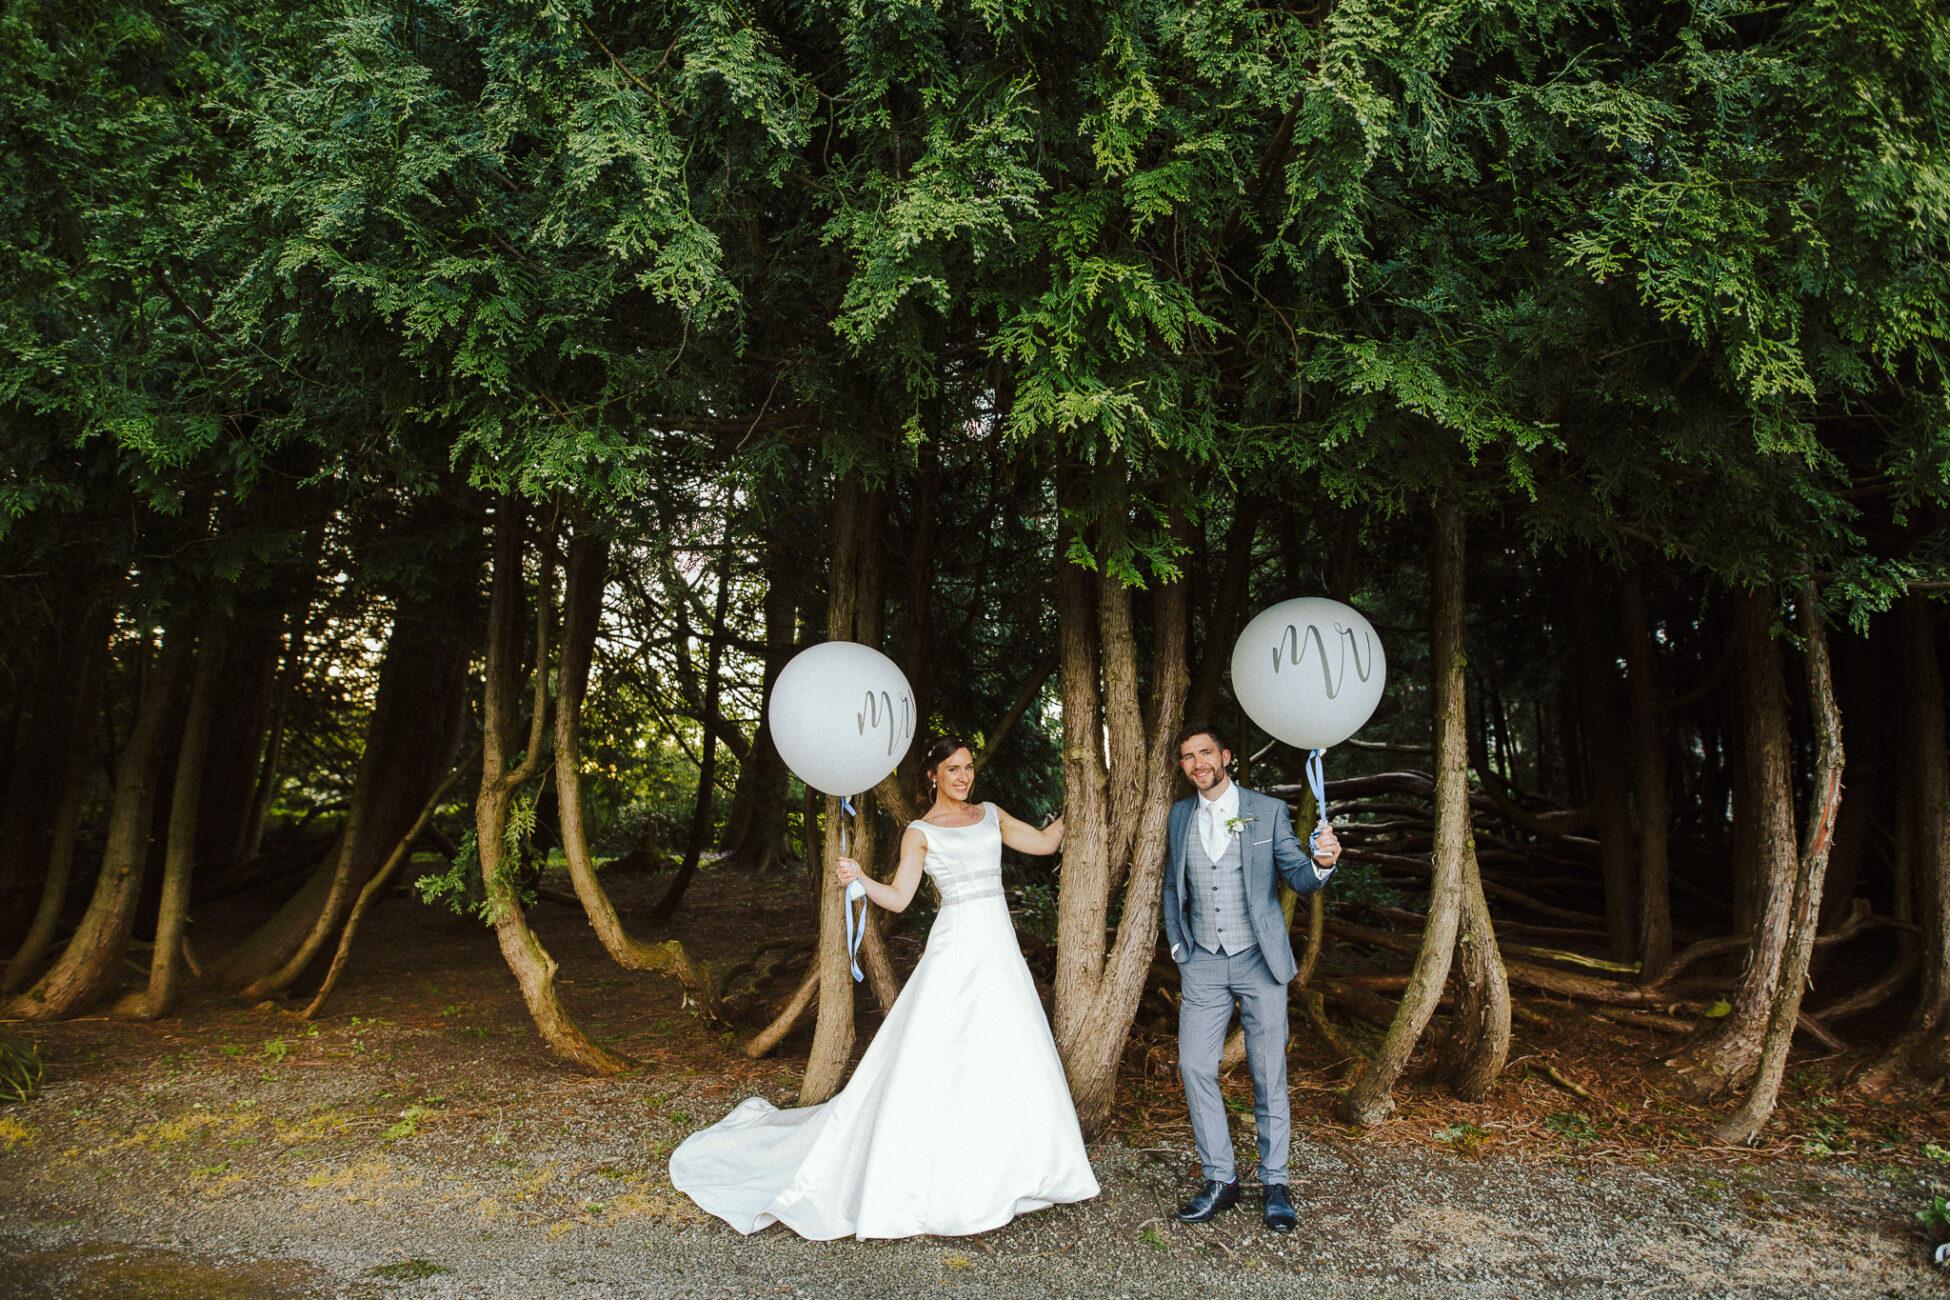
<point x="460" y="883"/>
<point x="1037" y="913"/>
<point x="1935" y="1218"/>
<point x="1574" y="1126"/>
<point x="1464" y="1139"/>
<point x="521" y="826"/>
<point x="21" y="1069"/>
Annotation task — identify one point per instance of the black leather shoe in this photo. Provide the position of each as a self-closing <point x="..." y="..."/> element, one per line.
<point x="1211" y="1198"/>
<point x="1279" y="1209"/>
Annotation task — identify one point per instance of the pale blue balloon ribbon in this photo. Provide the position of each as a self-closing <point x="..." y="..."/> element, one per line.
<point x="856" y="930"/>
<point x="1317" y="782"/>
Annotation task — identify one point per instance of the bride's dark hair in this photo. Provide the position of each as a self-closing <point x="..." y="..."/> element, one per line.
<point x="937" y="755"/>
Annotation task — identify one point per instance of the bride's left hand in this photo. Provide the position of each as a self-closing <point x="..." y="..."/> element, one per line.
<point x="847" y="870"/>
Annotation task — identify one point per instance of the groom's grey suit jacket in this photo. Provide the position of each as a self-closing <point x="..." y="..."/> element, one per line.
<point x="1269" y="851"/>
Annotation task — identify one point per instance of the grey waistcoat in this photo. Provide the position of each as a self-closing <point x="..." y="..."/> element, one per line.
<point x="1216" y="896"/>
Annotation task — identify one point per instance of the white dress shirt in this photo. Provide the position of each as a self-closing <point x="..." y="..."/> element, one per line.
<point x="1214" y="814"/>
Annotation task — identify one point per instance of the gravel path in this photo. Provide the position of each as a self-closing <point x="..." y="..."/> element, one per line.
<point x="419" y="1144"/>
<point x="267" y="1181"/>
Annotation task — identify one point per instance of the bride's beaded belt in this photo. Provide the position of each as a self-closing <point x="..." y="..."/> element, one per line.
<point x="974" y="895"/>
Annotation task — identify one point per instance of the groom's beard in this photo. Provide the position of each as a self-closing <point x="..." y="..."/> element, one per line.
<point x="1212" y="780"/>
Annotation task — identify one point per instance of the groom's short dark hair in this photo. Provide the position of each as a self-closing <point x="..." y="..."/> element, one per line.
<point x="1194" y="729"/>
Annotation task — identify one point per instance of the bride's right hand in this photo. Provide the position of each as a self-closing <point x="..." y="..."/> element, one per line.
<point x="847" y="870"/>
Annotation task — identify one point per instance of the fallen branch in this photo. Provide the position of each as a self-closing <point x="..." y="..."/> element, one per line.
<point x="795" y="1009"/>
<point x="786" y="951"/>
<point x="1814" y="1029"/>
<point x="1415" y="866"/>
<point x="1651" y="1020"/>
<point x="1556" y="1076"/>
<point x="1313" y="1006"/>
<point x="1860" y="918"/>
<point x="1908" y="959"/>
<point x="1546" y="954"/>
<point x="1563" y="983"/>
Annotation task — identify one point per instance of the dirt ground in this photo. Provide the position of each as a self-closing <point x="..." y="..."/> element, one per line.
<point x="416" y="1141"/>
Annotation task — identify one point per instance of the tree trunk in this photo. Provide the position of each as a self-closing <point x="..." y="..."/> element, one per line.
<point x="411" y="739"/>
<point x="87" y="966"/>
<point x="185" y="803"/>
<point x="76" y="760"/>
<point x="1924" y="780"/>
<point x="1598" y="697"/>
<point x="919" y="552"/>
<point x="1824" y="805"/>
<point x="755" y="831"/>
<point x="1222" y="626"/>
<point x="1654" y="925"/>
<point x="1478" y="1041"/>
<point x="1859" y="698"/>
<point x="29" y="787"/>
<point x="581" y="615"/>
<point x="380" y="880"/>
<point x="833" y="1029"/>
<point x="266" y="790"/>
<point x="1371" y="1097"/>
<point x="238" y="734"/>
<point x="1115" y="825"/>
<point x="868" y="614"/>
<point x="533" y="968"/>
<point x="1724" y="1053"/>
<point x="707" y="768"/>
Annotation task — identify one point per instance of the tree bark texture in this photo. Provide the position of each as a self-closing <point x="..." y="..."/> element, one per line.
<point x="1478" y="1041"/>
<point x="1115" y="816"/>
<point x="1824" y="806"/>
<point x="1654" y="920"/>
<point x="1723" y="1054"/>
<point x="1371" y="1097"/>
<point x="87" y="966"/>
<point x="533" y="968"/>
<point x="185" y="804"/>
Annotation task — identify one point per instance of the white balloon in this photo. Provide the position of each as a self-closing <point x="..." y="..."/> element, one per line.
<point x="1309" y="671"/>
<point x="842" y="715"/>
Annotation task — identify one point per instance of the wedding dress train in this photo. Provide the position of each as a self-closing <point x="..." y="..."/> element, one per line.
<point x="958" y="1117"/>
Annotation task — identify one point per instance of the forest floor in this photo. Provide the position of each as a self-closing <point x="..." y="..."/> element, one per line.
<point x="415" y="1141"/>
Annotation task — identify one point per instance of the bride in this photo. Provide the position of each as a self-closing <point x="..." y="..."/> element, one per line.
<point x="958" y="1117"/>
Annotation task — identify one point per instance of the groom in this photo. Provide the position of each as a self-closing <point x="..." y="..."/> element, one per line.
<point x="1223" y="922"/>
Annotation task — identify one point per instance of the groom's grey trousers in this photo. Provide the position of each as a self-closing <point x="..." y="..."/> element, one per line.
<point x="1208" y="985"/>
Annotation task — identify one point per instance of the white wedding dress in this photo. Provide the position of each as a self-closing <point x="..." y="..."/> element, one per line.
<point x="958" y="1117"/>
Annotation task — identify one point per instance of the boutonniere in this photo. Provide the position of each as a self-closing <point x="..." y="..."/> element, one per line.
<point x="1236" y="824"/>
